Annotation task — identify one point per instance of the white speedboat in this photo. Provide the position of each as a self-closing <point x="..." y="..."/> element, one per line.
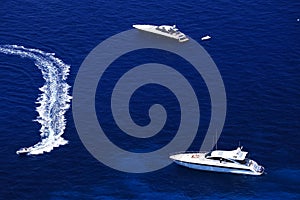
<point x="206" y="37"/>
<point x="23" y="151"/>
<point x="234" y="161"/>
<point x="165" y="30"/>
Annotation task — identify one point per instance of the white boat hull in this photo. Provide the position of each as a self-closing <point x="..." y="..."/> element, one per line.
<point x="153" y="29"/>
<point x="23" y="151"/>
<point x="215" y="168"/>
<point x="206" y="37"/>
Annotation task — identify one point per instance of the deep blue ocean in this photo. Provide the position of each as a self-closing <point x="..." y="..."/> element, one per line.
<point x="256" y="47"/>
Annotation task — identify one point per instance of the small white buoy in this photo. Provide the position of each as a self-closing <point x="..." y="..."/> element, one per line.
<point x="298" y="20"/>
<point x="206" y="37"/>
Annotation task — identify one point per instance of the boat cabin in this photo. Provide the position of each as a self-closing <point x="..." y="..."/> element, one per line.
<point x="237" y="155"/>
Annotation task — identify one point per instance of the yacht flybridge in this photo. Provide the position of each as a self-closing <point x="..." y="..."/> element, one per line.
<point x="234" y="161"/>
<point x="165" y="30"/>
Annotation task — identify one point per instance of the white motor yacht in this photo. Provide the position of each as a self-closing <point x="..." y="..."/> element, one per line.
<point x="234" y="161"/>
<point x="165" y="30"/>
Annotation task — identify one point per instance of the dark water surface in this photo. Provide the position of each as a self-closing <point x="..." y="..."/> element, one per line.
<point x="256" y="47"/>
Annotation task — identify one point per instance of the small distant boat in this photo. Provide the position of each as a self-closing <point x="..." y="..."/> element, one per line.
<point x="165" y="30"/>
<point x="23" y="151"/>
<point x="234" y="161"/>
<point x="206" y="37"/>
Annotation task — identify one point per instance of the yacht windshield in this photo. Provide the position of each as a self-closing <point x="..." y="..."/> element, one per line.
<point x="208" y="154"/>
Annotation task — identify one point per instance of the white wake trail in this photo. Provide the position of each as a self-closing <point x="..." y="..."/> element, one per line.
<point x="54" y="100"/>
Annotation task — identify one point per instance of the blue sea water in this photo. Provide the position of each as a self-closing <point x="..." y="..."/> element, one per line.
<point x="255" y="45"/>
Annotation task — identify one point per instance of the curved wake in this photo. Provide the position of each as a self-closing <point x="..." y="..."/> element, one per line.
<point x="53" y="101"/>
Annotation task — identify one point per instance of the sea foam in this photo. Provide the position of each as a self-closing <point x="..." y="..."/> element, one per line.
<point x="54" y="100"/>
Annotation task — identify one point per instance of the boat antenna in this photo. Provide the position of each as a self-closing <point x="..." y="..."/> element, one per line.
<point x="216" y="140"/>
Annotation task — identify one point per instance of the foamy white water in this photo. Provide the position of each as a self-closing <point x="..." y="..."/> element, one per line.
<point x="54" y="100"/>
